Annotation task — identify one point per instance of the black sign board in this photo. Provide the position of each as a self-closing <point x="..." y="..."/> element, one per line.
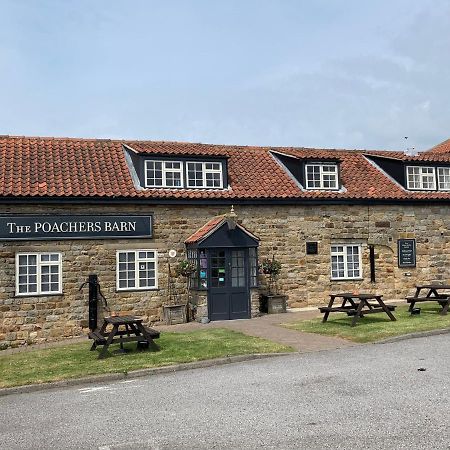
<point x="42" y="227"/>
<point x="311" y="248"/>
<point x="406" y="252"/>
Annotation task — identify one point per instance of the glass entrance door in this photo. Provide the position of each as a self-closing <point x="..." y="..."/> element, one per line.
<point x="228" y="293"/>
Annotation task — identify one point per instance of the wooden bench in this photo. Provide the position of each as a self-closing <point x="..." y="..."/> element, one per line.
<point x="98" y="338"/>
<point x="132" y="331"/>
<point x="358" y="306"/>
<point x="443" y="300"/>
<point x="350" y="310"/>
<point x="440" y="299"/>
<point x="151" y="332"/>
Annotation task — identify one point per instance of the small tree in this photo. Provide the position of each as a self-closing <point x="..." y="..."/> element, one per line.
<point x="272" y="268"/>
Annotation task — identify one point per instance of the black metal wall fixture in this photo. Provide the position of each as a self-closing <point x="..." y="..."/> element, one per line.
<point x="94" y="294"/>
<point x="372" y="263"/>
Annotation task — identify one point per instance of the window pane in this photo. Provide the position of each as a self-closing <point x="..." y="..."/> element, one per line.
<point x="321" y="176"/>
<point x="138" y="271"/>
<point x="345" y="261"/>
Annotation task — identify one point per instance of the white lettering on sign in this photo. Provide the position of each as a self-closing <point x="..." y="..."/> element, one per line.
<point x="120" y="226"/>
<point x="13" y="228"/>
<point x="35" y="227"/>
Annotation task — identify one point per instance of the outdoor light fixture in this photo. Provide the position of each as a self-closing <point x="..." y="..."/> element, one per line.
<point x="231" y="222"/>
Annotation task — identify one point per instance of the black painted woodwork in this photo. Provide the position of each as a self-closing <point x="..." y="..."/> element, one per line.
<point x="312" y="248"/>
<point x="372" y="263"/>
<point x="228" y="296"/>
<point x="224" y="237"/>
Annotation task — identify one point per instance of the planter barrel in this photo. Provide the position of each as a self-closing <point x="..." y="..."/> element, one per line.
<point x="174" y="314"/>
<point x="273" y="303"/>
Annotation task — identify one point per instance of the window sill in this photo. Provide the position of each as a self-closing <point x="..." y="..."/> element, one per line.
<point x="423" y="189"/>
<point x="55" y="294"/>
<point x="137" y="290"/>
<point x="323" y="189"/>
<point x="347" y="279"/>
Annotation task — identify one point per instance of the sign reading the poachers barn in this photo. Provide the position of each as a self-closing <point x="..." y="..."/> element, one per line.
<point x="26" y="227"/>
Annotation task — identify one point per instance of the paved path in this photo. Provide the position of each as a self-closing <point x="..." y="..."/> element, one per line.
<point x="362" y="397"/>
<point x="267" y="327"/>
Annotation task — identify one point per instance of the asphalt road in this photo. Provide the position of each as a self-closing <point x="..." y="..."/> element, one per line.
<point x="364" y="397"/>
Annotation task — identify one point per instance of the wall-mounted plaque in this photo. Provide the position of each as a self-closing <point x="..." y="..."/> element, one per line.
<point x="406" y="252"/>
<point x="311" y="248"/>
<point x="42" y="227"/>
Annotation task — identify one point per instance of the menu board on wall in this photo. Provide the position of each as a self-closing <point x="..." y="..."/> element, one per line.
<point x="406" y="252"/>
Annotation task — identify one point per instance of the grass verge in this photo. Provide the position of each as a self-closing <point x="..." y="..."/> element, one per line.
<point x="375" y="327"/>
<point x="75" y="360"/>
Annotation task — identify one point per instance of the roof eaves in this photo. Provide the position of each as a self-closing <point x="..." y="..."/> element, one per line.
<point x="130" y="149"/>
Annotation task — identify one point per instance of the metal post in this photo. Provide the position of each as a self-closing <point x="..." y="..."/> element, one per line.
<point x="93" y="301"/>
<point x="372" y="263"/>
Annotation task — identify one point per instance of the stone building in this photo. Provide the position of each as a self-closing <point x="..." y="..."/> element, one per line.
<point x="337" y="220"/>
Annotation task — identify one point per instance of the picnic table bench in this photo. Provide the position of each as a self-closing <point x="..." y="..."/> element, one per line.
<point x="433" y="293"/>
<point x="132" y="330"/>
<point x="357" y="305"/>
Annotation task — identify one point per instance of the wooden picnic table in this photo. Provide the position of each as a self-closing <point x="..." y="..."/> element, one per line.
<point x="357" y="305"/>
<point x="439" y="293"/>
<point x="124" y="329"/>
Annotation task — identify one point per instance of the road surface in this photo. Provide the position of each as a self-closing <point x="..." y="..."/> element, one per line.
<point x="371" y="397"/>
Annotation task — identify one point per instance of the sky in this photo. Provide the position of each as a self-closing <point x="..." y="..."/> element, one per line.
<point x="318" y="73"/>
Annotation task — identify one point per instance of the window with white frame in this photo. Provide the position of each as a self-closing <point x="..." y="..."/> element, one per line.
<point x="204" y="175"/>
<point x="163" y="174"/>
<point x="421" y="178"/>
<point x="321" y="176"/>
<point x="38" y="273"/>
<point x="346" y="262"/>
<point x="443" y="174"/>
<point x="137" y="269"/>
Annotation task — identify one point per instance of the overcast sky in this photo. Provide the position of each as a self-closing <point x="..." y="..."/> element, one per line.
<point x="317" y="73"/>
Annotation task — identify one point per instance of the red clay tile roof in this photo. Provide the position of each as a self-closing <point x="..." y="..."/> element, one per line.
<point x="443" y="147"/>
<point x="97" y="168"/>
<point x="210" y="227"/>
<point x="205" y="229"/>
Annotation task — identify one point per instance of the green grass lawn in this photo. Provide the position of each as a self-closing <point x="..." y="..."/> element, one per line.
<point x="375" y="327"/>
<point x="75" y="360"/>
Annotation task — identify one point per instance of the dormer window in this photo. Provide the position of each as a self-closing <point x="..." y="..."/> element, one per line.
<point x="163" y="174"/>
<point x="321" y="176"/>
<point x="421" y="178"/>
<point x="443" y="174"/>
<point x="183" y="173"/>
<point x="204" y="175"/>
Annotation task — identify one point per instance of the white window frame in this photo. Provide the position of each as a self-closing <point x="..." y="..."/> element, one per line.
<point x="39" y="265"/>
<point x="344" y="253"/>
<point x="421" y="173"/>
<point x="204" y="172"/>
<point x="439" y="170"/>
<point x="136" y="269"/>
<point x="322" y="173"/>
<point x="164" y="171"/>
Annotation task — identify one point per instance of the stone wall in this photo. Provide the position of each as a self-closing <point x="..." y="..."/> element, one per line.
<point x="283" y="231"/>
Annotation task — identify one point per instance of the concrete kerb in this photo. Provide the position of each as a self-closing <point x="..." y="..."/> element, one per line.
<point x="417" y="334"/>
<point x="108" y="377"/>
